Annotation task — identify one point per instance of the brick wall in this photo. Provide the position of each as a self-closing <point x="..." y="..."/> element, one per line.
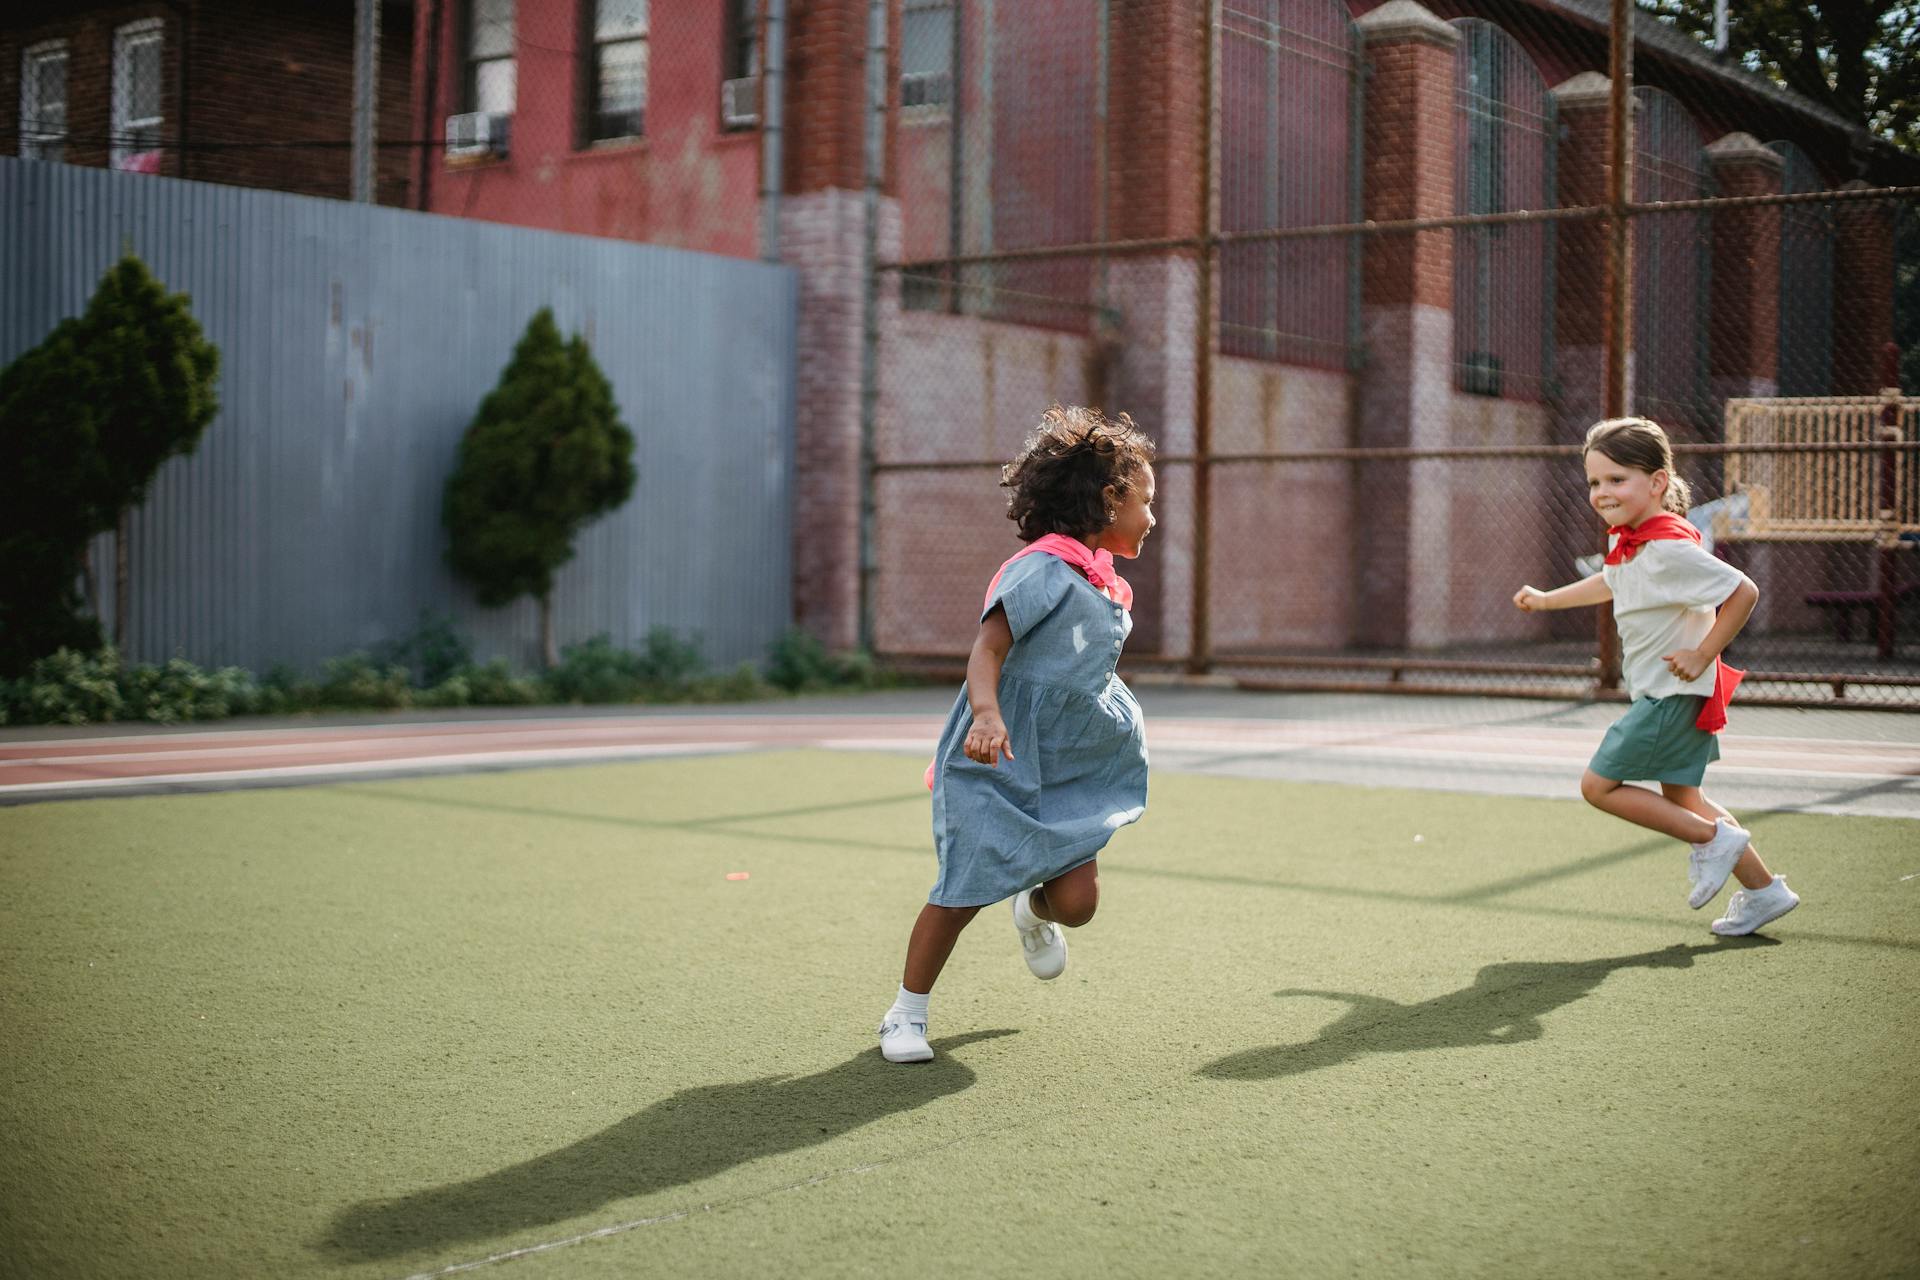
<point x="685" y="181"/>
<point x="89" y="37"/>
<point x="285" y="73"/>
<point x="826" y="94"/>
<point x="1744" y="316"/>
<point x="1409" y="171"/>
<point x="253" y="74"/>
<point x="1862" y="293"/>
<point x="1153" y="138"/>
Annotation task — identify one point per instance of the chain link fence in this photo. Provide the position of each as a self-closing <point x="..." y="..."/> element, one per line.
<point x="1356" y="281"/>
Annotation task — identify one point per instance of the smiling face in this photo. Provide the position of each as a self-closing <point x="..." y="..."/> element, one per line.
<point x="1132" y="518"/>
<point x="1621" y="494"/>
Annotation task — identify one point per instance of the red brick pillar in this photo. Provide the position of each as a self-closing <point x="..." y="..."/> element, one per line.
<point x="1406" y="390"/>
<point x="1153" y="192"/>
<point x="1744" y="318"/>
<point x="1579" y="328"/>
<point x="1862" y="291"/>
<point x="822" y="236"/>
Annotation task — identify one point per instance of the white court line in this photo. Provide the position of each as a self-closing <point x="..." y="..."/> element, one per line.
<point x="407" y="764"/>
<point x="1397" y="755"/>
<point x="490" y="744"/>
<point x="393" y="732"/>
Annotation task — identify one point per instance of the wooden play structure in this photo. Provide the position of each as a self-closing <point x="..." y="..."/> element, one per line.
<point x="1831" y="469"/>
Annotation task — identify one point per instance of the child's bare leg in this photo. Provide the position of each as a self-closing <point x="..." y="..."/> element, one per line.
<point x="1749" y="871"/>
<point x="1645" y="809"/>
<point x="1069" y="899"/>
<point x="934" y="934"/>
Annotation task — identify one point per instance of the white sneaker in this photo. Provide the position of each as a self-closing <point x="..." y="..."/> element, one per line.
<point x="1713" y="861"/>
<point x="903" y="1037"/>
<point x="1044" y="941"/>
<point x="1748" y="909"/>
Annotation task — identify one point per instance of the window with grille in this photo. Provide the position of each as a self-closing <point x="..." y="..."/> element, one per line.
<point x="617" y="73"/>
<point x="1286" y="76"/>
<point x="1672" y="265"/>
<point x="43" y="101"/>
<point x="926" y="54"/>
<point x="136" y="96"/>
<point x="743" y="40"/>
<point x="491" y="74"/>
<point x="1503" y="162"/>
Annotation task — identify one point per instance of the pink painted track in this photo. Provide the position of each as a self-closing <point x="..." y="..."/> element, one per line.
<point x="212" y="759"/>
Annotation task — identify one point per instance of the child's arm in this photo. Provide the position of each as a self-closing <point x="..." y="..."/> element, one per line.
<point x="1574" y="595"/>
<point x="988" y="736"/>
<point x="1734" y="612"/>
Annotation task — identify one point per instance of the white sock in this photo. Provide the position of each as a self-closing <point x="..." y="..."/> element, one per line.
<point x="1024" y="916"/>
<point x="911" y="1001"/>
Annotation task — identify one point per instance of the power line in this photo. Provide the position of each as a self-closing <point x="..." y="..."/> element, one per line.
<point x="134" y="141"/>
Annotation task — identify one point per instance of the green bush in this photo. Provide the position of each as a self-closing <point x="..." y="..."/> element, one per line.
<point x="742" y="684"/>
<point x="454" y="691"/>
<point x="668" y="664"/>
<point x="179" y="691"/>
<point x="799" y="663"/>
<point x="433" y="652"/>
<point x="596" y="671"/>
<point x="358" y="681"/>
<point x="89" y="687"/>
<point x="493" y="684"/>
<point x="70" y="687"/>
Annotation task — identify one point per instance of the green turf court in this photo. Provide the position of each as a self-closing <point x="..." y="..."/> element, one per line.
<point x="386" y="1029"/>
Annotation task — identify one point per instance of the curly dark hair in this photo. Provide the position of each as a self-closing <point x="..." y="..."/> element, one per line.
<point x="1067" y="474"/>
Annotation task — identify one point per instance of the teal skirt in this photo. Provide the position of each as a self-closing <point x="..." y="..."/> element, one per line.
<point x="1656" y="741"/>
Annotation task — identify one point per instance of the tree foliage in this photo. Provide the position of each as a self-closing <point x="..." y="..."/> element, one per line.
<point x="546" y="453"/>
<point x="86" y="419"/>
<point x="1859" y="58"/>
<point x="152" y="376"/>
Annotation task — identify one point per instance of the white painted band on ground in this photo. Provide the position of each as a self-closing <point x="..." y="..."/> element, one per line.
<point x="602" y="726"/>
<point x="405" y="764"/>
<point x="551" y="1245"/>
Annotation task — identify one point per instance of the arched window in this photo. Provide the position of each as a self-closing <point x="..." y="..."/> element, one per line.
<point x="1806" y="281"/>
<point x="1672" y="261"/>
<point x="1288" y="70"/>
<point x="1503" y="161"/>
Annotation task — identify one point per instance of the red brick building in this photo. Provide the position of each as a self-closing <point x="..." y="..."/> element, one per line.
<point x="1019" y="126"/>
<point x="230" y="91"/>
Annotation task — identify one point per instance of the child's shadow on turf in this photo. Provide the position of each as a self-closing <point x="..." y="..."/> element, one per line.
<point x="694" y="1134"/>
<point x="1503" y="1006"/>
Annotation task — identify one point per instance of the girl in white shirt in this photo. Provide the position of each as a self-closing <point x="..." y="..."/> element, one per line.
<point x="1677" y="607"/>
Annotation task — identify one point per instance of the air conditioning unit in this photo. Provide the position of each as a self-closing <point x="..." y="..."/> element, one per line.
<point x="740" y="102"/>
<point x="478" y="133"/>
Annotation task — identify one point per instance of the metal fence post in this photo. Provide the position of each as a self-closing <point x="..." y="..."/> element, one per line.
<point x="1619" y="278"/>
<point x="1200" y="646"/>
<point x="870" y="306"/>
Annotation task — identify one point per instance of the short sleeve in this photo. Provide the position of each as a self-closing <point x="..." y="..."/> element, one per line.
<point x="1029" y="589"/>
<point x="1685" y="575"/>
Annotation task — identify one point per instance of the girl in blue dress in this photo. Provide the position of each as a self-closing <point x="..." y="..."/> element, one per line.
<point x="1043" y="756"/>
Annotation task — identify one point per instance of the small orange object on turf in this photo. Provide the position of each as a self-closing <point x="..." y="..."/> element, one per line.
<point x="736" y="875"/>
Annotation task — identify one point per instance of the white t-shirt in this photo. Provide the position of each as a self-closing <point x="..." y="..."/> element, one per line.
<point x="1664" y="599"/>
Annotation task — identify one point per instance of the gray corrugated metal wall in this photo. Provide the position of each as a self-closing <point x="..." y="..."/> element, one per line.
<point x="356" y="343"/>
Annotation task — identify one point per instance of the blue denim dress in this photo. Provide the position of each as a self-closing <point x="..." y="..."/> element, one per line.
<point x="1079" y="771"/>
